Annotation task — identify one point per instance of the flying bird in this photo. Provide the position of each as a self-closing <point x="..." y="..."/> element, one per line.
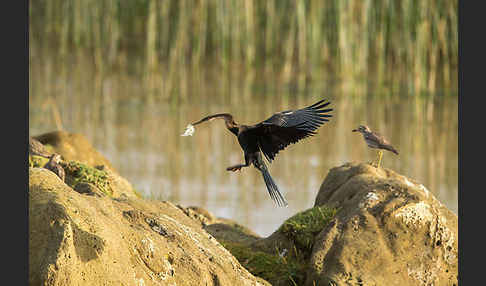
<point x="375" y="140"/>
<point x="271" y="136"/>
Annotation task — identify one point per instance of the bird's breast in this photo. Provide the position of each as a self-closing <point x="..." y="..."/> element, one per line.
<point x="247" y="142"/>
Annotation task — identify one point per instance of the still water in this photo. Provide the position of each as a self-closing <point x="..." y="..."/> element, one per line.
<point x="140" y="135"/>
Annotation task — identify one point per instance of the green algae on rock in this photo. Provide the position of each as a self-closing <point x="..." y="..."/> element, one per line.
<point x="273" y="267"/>
<point x="304" y="226"/>
<point x="77" y="172"/>
<point x="37" y="161"/>
<point x="73" y="147"/>
<point x="281" y="258"/>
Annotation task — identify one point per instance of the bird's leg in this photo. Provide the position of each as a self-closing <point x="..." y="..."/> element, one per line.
<point x="239" y="166"/>
<point x="236" y="167"/>
<point x="380" y="155"/>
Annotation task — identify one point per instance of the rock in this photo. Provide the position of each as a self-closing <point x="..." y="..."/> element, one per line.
<point x="199" y="214"/>
<point x="389" y="230"/>
<point x="368" y="227"/>
<point x="105" y="180"/>
<point x="73" y="147"/>
<point x="229" y="230"/>
<point x="89" y="189"/>
<point x="76" y="239"/>
<point x="84" y="164"/>
<point x="280" y="258"/>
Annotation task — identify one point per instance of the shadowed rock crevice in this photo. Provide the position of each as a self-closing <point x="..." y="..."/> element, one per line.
<point x="88" y="246"/>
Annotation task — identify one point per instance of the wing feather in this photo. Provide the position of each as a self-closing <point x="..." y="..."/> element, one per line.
<point x="288" y="127"/>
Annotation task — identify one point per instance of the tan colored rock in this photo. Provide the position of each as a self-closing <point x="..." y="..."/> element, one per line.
<point x="79" y="239"/>
<point x="229" y="230"/>
<point x="389" y="230"/>
<point x="73" y="147"/>
<point x="368" y="227"/>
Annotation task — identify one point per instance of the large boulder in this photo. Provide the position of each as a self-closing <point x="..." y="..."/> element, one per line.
<point x="368" y="226"/>
<point x="389" y="230"/>
<point x="73" y="147"/>
<point x="80" y="239"/>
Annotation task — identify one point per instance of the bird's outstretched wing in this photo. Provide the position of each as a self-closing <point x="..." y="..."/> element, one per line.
<point x="288" y="127"/>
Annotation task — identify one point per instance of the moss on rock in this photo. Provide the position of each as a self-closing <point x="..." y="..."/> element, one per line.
<point x="77" y="172"/>
<point x="282" y="258"/>
<point x="304" y="226"/>
<point x="73" y="147"/>
<point x="274" y="268"/>
<point x="37" y="161"/>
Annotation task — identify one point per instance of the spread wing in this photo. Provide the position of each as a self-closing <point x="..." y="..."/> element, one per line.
<point x="288" y="127"/>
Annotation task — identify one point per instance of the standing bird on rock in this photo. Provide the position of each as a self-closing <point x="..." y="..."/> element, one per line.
<point x="375" y="140"/>
<point x="54" y="166"/>
<point x="271" y="136"/>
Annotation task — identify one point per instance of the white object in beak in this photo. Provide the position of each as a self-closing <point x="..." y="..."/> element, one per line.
<point x="189" y="130"/>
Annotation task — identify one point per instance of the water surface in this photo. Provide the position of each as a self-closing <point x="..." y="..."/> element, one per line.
<point x="140" y="135"/>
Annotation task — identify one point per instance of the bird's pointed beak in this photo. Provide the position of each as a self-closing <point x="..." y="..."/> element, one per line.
<point x="197" y="122"/>
<point x="354" y="130"/>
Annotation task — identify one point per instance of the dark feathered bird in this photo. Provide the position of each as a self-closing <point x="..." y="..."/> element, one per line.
<point x="375" y="140"/>
<point x="55" y="167"/>
<point x="271" y="136"/>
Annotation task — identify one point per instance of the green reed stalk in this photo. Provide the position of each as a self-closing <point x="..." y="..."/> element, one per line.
<point x="392" y="43"/>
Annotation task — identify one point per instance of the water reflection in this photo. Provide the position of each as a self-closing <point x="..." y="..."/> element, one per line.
<point x="141" y="137"/>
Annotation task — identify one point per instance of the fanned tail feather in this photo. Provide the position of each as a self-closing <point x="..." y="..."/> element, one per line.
<point x="272" y="188"/>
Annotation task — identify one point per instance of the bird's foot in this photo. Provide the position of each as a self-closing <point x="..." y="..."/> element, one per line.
<point x="234" y="168"/>
<point x="374" y="164"/>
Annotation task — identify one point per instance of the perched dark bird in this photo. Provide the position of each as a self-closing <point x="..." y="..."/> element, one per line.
<point x="37" y="148"/>
<point x="375" y="140"/>
<point x="271" y="136"/>
<point x="55" y="167"/>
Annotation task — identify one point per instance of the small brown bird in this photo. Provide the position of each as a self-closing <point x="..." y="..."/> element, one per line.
<point x="37" y="148"/>
<point x="54" y="166"/>
<point x="375" y="140"/>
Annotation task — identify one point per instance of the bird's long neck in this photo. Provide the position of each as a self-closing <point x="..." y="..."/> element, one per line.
<point x="232" y="126"/>
<point x="228" y="121"/>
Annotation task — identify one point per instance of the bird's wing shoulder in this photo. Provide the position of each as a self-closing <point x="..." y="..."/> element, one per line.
<point x="287" y="127"/>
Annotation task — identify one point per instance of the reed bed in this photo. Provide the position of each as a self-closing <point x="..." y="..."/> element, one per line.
<point x="406" y="44"/>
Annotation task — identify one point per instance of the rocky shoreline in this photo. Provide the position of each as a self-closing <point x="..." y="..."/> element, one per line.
<point x="368" y="226"/>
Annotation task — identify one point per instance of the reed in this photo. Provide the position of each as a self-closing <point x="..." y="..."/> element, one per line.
<point x="391" y="43"/>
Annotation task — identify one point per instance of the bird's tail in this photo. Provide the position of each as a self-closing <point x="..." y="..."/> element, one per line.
<point x="272" y="188"/>
<point x="390" y="148"/>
